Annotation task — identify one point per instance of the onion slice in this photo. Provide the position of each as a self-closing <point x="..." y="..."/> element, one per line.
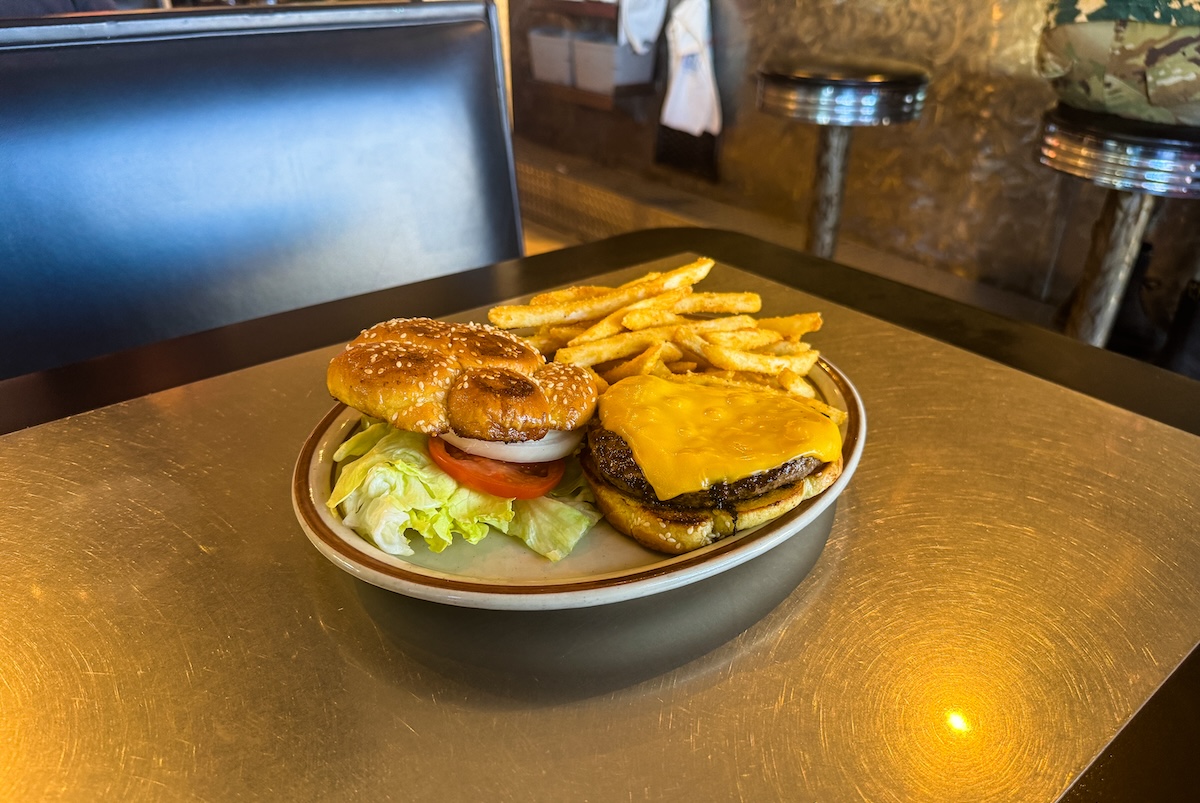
<point x="557" y="444"/>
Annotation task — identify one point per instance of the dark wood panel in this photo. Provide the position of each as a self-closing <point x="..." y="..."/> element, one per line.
<point x="579" y="8"/>
<point x="592" y="100"/>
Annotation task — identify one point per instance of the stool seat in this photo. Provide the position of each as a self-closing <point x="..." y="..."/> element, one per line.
<point x="843" y="92"/>
<point x="1135" y="161"/>
<point x="1122" y="154"/>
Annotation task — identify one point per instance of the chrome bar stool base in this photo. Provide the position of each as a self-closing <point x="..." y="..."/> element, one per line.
<point x="839" y="95"/>
<point x="1138" y="162"/>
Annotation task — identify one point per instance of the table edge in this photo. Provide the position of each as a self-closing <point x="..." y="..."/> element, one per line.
<point x="1144" y="389"/>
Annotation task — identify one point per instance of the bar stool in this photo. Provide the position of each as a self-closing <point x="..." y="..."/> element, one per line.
<point x="838" y="94"/>
<point x="1138" y="162"/>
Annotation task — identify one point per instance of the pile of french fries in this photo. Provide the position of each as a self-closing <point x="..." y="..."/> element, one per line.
<point x="659" y="325"/>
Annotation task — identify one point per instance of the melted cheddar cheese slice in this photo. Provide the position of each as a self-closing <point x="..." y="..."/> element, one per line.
<point x="687" y="436"/>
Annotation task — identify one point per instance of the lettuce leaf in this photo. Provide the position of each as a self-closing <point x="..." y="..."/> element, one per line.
<point x="549" y="526"/>
<point x="391" y="487"/>
<point x="552" y="525"/>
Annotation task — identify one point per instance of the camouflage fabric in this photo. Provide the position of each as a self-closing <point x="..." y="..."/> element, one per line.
<point x="1144" y="71"/>
<point x="1162" y="12"/>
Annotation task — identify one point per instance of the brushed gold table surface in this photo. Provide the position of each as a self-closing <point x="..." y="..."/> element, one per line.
<point x="1014" y="569"/>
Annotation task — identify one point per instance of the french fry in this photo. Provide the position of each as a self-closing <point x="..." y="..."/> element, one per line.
<point x="793" y="326"/>
<point x="567" y="294"/>
<point x="784" y="348"/>
<point x="659" y="368"/>
<point x="745" y="378"/>
<point x="627" y="344"/>
<point x="565" y="332"/>
<point x="744" y="339"/>
<point x="518" y="316"/>
<point x="795" y="384"/>
<point x="832" y="413"/>
<point x="576" y="292"/>
<point x="722" y="380"/>
<point x="544" y="343"/>
<point x="718" y="302"/>
<point x="759" y="379"/>
<point x="646" y="318"/>
<point x="654" y="274"/>
<point x="601" y="383"/>
<point x="716" y="324"/>
<point x="691" y="356"/>
<point x="619" y="346"/>
<point x="645" y="362"/>
<point x="548" y="339"/>
<point x="736" y="360"/>
<point x="612" y="323"/>
<point x="605" y="327"/>
<point x="648" y="326"/>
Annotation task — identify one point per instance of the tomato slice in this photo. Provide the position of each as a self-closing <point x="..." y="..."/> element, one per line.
<point x="511" y="480"/>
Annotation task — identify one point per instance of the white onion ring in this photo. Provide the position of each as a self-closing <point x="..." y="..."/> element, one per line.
<point x="557" y="444"/>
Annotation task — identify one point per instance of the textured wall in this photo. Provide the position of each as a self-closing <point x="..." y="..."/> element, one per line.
<point x="959" y="190"/>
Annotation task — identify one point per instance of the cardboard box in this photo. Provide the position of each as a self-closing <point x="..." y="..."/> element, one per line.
<point x="601" y="65"/>
<point x="550" y="55"/>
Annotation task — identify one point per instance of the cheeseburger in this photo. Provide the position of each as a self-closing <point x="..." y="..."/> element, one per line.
<point x="678" y="465"/>
<point x="467" y="402"/>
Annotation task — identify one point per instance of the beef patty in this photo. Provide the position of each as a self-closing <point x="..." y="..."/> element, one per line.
<point x="614" y="459"/>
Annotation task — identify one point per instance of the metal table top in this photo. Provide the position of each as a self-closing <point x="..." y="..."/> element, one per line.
<point x="1013" y="572"/>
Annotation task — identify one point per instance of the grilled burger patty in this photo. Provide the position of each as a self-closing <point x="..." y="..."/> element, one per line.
<point x="614" y="459"/>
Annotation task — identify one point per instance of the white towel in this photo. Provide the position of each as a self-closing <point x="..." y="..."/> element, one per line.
<point x="693" y="104"/>
<point x="640" y="22"/>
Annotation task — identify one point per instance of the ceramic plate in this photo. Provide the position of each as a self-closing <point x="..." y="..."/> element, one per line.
<point x="501" y="573"/>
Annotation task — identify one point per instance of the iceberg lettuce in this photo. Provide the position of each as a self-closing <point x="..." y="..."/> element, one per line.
<point x="391" y="487"/>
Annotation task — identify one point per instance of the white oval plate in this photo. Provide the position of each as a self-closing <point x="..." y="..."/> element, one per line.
<point x="501" y="573"/>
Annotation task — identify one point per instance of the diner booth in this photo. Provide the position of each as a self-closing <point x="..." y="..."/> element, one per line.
<point x="995" y="597"/>
<point x="168" y="174"/>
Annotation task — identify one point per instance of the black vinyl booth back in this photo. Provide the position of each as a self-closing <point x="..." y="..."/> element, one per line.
<point x="165" y="173"/>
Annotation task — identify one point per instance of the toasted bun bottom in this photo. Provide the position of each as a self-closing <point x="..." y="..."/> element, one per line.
<point x="677" y="530"/>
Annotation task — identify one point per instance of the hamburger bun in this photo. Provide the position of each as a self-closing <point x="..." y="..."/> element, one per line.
<point x="677" y="465"/>
<point x="675" y="530"/>
<point x="472" y="380"/>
